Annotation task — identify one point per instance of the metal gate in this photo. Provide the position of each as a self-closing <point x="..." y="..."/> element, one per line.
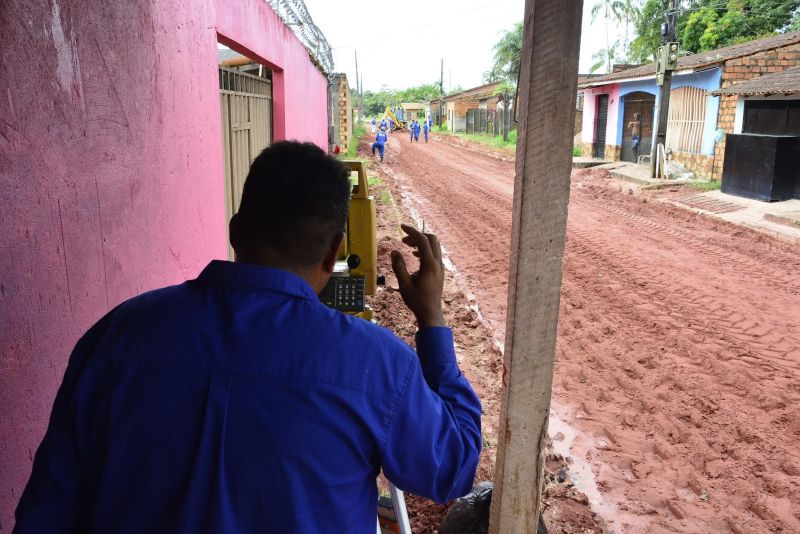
<point x="246" y="128"/>
<point x="643" y="104"/>
<point x="599" y="150"/>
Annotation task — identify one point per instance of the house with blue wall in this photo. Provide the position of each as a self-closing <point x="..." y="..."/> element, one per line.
<point x="618" y="104"/>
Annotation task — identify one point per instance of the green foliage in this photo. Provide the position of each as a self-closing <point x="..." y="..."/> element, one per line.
<point x="375" y="102"/>
<point x="491" y="140"/>
<point x="701" y="185"/>
<point x="576" y="151"/>
<point x="352" y="150"/>
<point x="507" y="57"/>
<point x="707" y="24"/>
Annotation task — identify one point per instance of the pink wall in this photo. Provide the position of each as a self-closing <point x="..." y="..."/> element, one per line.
<point x="111" y="173"/>
<point x="589" y="111"/>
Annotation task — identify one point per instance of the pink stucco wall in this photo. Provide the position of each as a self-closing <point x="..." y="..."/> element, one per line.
<point x="111" y="172"/>
<point x="589" y="112"/>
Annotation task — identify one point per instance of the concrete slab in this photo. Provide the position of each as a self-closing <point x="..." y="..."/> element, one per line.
<point x="778" y="219"/>
<point x="580" y="162"/>
<point x="639" y="174"/>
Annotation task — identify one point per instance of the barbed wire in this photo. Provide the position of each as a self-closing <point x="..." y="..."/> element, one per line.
<point x="296" y="16"/>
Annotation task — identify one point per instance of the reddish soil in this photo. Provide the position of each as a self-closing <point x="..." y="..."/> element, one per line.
<point x="677" y="385"/>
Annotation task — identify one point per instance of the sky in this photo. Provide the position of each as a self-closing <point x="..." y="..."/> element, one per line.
<point x="400" y="44"/>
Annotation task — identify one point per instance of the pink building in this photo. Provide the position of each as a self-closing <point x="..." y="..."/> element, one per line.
<point x="111" y="171"/>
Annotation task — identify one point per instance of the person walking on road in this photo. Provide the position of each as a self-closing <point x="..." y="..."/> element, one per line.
<point x="416" y="131"/>
<point x="425" y="128"/>
<point x="374" y="124"/>
<point x="380" y="142"/>
<point x="411" y="130"/>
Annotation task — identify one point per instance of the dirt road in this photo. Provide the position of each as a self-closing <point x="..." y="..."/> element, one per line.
<point x="678" y="367"/>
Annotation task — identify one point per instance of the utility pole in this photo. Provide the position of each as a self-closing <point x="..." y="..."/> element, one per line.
<point x="441" y="95"/>
<point x="360" y="94"/>
<point x="546" y="111"/>
<point x="361" y="99"/>
<point x="667" y="61"/>
<point x="441" y="80"/>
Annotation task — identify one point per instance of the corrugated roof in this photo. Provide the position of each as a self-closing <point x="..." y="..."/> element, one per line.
<point x="487" y="89"/>
<point x="703" y="59"/>
<point x="775" y="83"/>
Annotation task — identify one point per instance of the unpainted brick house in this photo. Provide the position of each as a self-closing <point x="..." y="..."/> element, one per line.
<point x="698" y="121"/>
<point x="452" y="109"/>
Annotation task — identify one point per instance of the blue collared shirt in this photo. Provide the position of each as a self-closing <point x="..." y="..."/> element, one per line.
<point x="238" y="402"/>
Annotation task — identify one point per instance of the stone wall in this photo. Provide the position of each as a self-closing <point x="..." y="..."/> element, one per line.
<point x="700" y="164"/>
<point x="741" y="69"/>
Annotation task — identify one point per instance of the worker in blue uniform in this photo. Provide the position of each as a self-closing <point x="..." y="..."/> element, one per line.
<point x="238" y="402"/>
<point x="411" y="130"/>
<point x="380" y="142"/>
<point x="416" y="131"/>
<point x="425" y="128"/>
<point x="384" y="124"/>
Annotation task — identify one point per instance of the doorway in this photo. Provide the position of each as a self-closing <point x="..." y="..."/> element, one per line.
<point x="644" y="104"/>
<point x="600" y="124"/>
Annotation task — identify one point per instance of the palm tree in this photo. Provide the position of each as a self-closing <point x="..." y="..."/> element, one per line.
<point x="614" y="11"/>
<point x="507" y="56"/>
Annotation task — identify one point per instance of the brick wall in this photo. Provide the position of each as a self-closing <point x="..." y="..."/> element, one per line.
<point x="613" y="152"/>
<point x="700" y="164"/>
<point x="747" y="68"/>
<point x="345" y="114"/>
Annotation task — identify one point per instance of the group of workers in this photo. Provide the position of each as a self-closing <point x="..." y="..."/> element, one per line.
<point x="415" y="128"/>
<point x="386" y="126"/>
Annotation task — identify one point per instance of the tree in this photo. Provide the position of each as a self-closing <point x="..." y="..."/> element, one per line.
<point x="507" y="57"/>
<point x="614" y="12"/>
<point x="707" y="24"/>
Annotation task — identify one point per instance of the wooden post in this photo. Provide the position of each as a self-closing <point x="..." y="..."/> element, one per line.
<point x="547" y="92"/>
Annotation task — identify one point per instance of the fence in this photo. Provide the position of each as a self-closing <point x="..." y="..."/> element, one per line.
<point x="486" y="121"/>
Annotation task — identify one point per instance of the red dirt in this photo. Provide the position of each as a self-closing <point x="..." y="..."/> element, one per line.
<point x="679" y="343"/>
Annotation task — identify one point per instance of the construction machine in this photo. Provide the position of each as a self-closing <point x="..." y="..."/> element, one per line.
<point x="389" y="114"/>
<point x="355" y="277"/>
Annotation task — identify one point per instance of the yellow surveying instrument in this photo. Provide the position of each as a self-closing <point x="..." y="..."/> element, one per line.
<point x="354" y="277"/>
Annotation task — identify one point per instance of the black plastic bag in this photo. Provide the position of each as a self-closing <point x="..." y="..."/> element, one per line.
<point x="470" y="513"/>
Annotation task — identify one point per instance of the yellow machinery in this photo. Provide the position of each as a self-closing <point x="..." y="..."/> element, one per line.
<point x="355" y="275"/>
<point x="389" y="114"/>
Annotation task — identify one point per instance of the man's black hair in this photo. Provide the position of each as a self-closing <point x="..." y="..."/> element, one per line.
<point x="294" y="203"/>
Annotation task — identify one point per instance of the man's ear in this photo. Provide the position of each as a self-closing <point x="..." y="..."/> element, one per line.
<point x="329" y="261"/>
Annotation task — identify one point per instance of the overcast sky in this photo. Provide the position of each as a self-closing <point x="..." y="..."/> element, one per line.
<point x="401" y="43"/>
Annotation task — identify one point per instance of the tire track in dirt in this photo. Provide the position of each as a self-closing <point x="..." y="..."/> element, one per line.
<point x="679" y="343"/>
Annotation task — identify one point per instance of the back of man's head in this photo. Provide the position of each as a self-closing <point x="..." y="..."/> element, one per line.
<point x="294" y="204"/>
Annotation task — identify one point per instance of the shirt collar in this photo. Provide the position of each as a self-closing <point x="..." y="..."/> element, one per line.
<point x="269" y="278"/>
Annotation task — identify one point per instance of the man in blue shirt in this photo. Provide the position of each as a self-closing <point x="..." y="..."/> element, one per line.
<point x="380" y="142"/>
<point x="237" y="402"/>
<point x="426" y="126"/>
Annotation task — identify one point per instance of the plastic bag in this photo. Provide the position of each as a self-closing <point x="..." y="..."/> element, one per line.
<point x="470" y="513"/>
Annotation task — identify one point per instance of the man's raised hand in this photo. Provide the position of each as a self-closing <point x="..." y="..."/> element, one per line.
<point x="422" y="290"/>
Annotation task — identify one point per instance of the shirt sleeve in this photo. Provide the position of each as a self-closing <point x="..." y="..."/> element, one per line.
<point x="433" y="443"/>
<point x="55" y="498"/>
